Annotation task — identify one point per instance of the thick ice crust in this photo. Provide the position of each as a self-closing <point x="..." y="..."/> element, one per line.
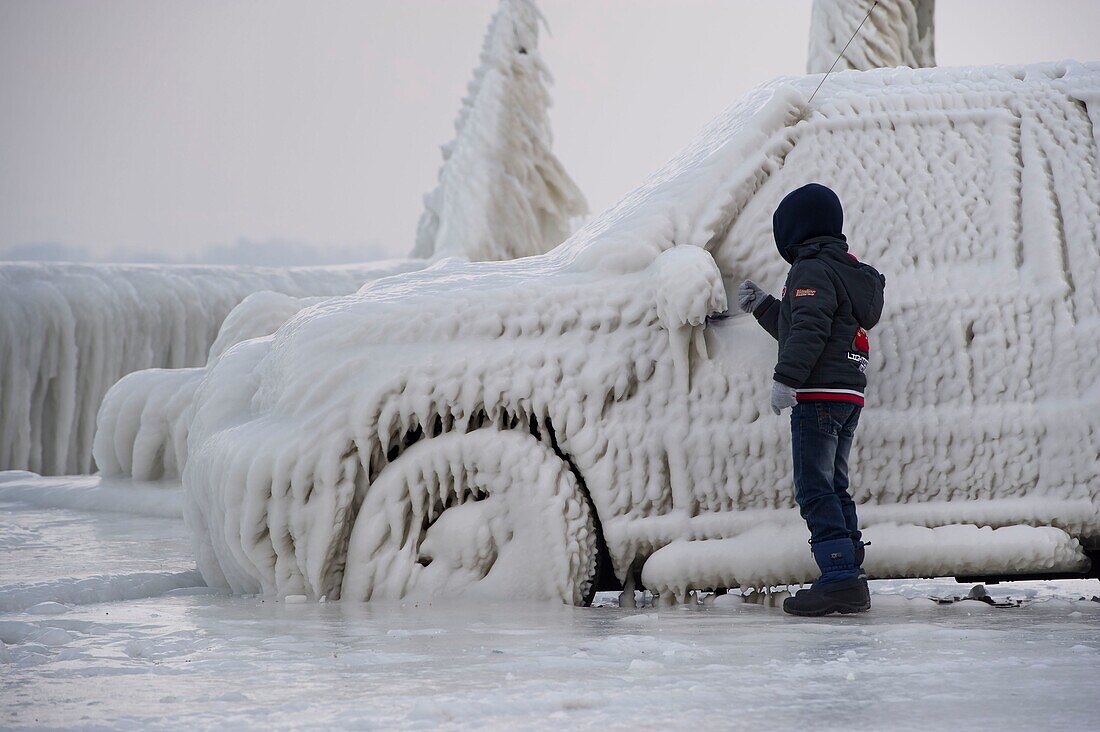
<point x="438" y="413"/>
<point x="769" y="555"/>
<point x="70" y="331"/>
<point x="975" y="190"/>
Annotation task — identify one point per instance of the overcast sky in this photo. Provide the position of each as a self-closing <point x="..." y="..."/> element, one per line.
<point x="217" y="129"/>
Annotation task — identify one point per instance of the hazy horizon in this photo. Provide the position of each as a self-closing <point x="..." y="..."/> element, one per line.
<point x="287" y="133"/>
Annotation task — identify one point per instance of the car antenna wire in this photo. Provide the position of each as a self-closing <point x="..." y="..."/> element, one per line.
<point x="726" y="315"/>
<point x="837" y="59"/>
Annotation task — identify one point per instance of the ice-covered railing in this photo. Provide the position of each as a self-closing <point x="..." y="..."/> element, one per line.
<point x="143" y="420"/>
<point x="976" y="190"/>
<point x="70" y="331"/>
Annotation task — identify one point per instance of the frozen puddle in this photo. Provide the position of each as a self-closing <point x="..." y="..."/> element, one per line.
<point x="185" y="657"/>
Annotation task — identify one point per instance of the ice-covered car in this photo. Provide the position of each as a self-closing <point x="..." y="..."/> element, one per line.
<point x="586" y="418"/>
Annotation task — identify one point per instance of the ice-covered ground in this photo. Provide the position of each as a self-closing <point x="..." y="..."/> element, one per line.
<point x="173" y="655"/>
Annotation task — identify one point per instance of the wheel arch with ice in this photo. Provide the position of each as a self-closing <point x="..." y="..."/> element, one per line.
<point x="486" y="510"/>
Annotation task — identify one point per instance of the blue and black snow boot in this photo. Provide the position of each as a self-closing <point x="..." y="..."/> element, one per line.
<point x="841" y="588"/>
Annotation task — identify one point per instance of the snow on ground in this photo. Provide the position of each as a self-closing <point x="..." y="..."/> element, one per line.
<point x="183" y="656"/>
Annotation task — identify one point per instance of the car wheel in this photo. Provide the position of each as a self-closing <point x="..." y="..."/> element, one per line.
<point x="489" y="512"/>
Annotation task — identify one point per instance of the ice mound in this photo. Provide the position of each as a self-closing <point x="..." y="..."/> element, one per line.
<point x="346" y="453"/>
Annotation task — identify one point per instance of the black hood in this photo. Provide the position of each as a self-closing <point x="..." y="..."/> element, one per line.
<point x="806" y="213"/>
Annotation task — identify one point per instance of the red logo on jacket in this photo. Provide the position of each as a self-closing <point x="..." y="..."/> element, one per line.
<point x="861" y="342"/>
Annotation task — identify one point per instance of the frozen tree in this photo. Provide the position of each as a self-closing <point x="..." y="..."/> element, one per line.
<point x="502" y="193"/>
<point x="897" y="33"/>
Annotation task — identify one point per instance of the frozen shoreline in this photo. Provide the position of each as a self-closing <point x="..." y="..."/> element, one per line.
<point x="161" y="499"/>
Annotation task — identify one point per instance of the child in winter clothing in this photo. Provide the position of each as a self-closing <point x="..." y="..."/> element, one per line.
<point x="829" y="302"/>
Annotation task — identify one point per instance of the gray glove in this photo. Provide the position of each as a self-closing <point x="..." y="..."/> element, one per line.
<point x="749" y="295"/>
<point x="783" y="396"/>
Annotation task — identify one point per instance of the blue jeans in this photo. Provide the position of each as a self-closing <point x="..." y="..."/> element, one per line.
<point x="821" y="438"/>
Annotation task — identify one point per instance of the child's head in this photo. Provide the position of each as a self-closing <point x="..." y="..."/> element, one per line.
<point x="807" y="212"/>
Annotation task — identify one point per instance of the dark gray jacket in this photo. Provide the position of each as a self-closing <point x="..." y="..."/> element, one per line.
<point x="829" y="302"/>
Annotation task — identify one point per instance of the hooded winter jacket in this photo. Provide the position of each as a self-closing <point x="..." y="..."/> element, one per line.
<point x="828" y="304"/>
